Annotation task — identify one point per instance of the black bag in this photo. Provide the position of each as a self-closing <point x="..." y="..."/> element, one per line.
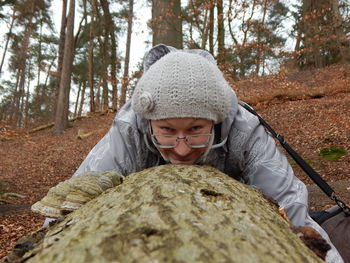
<point x="337" y="225"/>
<point x="336" y="220"/>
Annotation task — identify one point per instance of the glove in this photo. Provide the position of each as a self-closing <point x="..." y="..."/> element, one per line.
<point x="71" y="194"/>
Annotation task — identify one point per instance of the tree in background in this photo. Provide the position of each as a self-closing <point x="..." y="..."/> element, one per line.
<point x="322" y="34"/>
<point x="198" y="23"/>
<point x="247" y="39"/>
<point x="29" y="15"/>
<point x="125" y="81"/>
<point x="4" y="3"/>
<point x="8" y="34"/>
<point x="254" y="31"/>
<point x="166" y="22"/>
<point x="61" y="113"/>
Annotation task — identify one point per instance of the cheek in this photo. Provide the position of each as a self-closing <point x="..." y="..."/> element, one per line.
<point x="163" y="151"/>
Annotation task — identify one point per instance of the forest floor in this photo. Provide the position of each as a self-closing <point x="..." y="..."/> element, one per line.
<point x="311" y="109"/>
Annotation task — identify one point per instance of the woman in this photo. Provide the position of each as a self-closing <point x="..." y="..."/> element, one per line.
<point x="184" y="112"/>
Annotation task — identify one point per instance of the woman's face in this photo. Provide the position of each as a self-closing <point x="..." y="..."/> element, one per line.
<point x="182" y="127"/>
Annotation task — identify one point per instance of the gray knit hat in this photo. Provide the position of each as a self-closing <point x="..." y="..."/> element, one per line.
<point x="180" y="84"/>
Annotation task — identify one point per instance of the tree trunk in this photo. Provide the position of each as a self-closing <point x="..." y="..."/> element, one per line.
<point x="221" y="32"/>
<point x="167" y="22"/>
<point x="61" y="49"/>
<point x="91" y="57"/>
<point x="8" y="36"/>
<point x="26" y="107"/>
<point x="61" y="114"/>
<point x="125" y="83"/>
<point x="98" y="96"/>
<point x="342" y="41"/>
<point x="211" y="28"/>
<point x="110" y="28"/>
<point x="114" y="81"/>
<point x="22" y="67"/>
<point x="77" y="99"/>
<point x="260" y="50"/>
<point x="205" y="31"/>
<point x="104" y="67"/>
<point x="82" y="97"/>
<point x="174" y="213"/>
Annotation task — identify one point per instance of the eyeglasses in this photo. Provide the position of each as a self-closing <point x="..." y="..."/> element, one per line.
<point x="169" y="141"/>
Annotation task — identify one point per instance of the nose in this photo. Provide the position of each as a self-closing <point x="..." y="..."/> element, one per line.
<point x="182" y="149"/>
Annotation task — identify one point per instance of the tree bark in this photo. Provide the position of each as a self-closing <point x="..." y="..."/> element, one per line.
<point x="61" y="49"/>
<point x="125" y="80"/>
<point x="114" y="81"/>
<point x="22" y="67"/>
<point x="167" y="22"/>
<point x="8" y="36"/>
<point x="221" y="32"/>
<point x="211" y="28"/>
<point x="61" y="116"/>
<point x="260" y="51"/>
<point x="77" y="99"/>
<point x="82" y="97"/>
<point x="174" y="213"/>
<point x="110" y="28"/>
<point x="91" y="57"/>
<point x="104" y="68"/>
<point x="342" y="41"/>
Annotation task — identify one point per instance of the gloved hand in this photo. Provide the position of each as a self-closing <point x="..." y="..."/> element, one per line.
<point x="71" y="194"/>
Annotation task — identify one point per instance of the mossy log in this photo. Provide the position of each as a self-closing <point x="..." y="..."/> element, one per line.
<point x="174" y="213"/>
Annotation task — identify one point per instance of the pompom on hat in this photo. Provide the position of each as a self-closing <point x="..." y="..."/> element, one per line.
<point x="182" y="84"/>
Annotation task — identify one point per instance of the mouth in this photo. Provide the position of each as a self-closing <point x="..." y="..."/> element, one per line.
<point x="176" y="161"/>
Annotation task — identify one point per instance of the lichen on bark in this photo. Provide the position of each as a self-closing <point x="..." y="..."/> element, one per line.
<point x="174" y="213"/>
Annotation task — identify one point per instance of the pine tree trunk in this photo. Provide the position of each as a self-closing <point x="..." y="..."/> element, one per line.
<point x="205" y="31"/>
<point x="211" y="28"/>
<point x="167" y="22"/>
<point x="174" y="213"/>
<point x="125" y="83"/>
<point x="338" y="25"/>
<point x="260" y="50"/>
<point x="61" y="49"/>
<point x="61" y="114"/>
<point x="91" y="57"/>
<point x="8" y="36"/>
<point x="221" y="32"/>
<point x="22" y="68"/>
<point x="98" y="96"/>
<point x="110" y="28"/>
<point x="26" y="107"/>
<point x="77" y="99"/>
<point x="82" y="97"/>
<point x="104" y="69"/>
<point x="114" y="72"/>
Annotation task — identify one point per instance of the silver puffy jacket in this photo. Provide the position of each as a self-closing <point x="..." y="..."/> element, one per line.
<point x="249" y="155"/>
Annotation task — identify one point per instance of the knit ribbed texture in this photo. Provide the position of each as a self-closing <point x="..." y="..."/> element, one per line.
<point x="182" y="84"/>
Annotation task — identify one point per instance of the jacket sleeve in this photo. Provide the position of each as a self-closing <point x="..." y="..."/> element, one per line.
<point x="115" y="151"/>
<point x="267" y="169"/>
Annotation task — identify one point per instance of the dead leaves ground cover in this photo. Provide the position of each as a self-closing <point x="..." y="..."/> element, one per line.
<point x="311" y="109"/>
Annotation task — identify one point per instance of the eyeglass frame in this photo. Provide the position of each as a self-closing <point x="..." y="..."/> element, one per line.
<point x="186" y="138"/>
<point x="162" y="146"/>
<point x="147" y="135"/>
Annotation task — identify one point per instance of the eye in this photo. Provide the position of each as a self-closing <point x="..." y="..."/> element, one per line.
<point x="166" y="129"/>
<point x="196" y="128"/>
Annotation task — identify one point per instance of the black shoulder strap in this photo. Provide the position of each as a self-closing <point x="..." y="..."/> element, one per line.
<point x="325" y="187"/>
